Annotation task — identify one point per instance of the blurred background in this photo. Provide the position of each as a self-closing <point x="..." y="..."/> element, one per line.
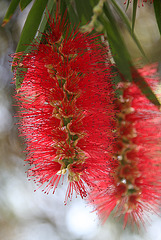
<point x="29" y="215"/>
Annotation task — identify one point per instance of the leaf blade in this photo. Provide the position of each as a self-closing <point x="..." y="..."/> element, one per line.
<point x="33" y="19"/>
<point x="135" y="2"/>
<point x="84" y="10"/>
<point x="126" y="21"/>
<point x="27" y="36"/>
<point x="157" y="10"/>
<point x="12" y="7"/>
<point x="145" y="88"/>
<point x="122" y="59"/>
<point x="44" y="22"/>
<point x="24" y="3"/>
<point x="120" y="54"/>
<point x="72" y="15"/>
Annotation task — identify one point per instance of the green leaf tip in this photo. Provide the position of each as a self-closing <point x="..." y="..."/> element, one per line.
<point x="12" y="7"/>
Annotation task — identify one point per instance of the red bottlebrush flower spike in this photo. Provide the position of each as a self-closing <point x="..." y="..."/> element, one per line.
<point x="65" y="107"/>
<point x="132" y="182"/>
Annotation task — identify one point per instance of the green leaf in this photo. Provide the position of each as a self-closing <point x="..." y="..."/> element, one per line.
<point x="121" y="55"/>
<point x="93" y="2"/>
<point x="24" y="3"/>
<point x="135" y="2"/>
<point x="84" y="10"/>
<point x="31" y="25"/>
<point x="126" y="21"/>
<point x="145" y="88"/>
<point x="128" y="1"/>
<point x="20" y="71"/>
<point x="157" y="9"/>
<point x="12" y="7"/>
<point x="63" y="6"/>
<point x="20" y="76"/>
<point x="28" y="33"/>
<point x="72" y="15"/>
<point x="44" y="22"/>
<point x="74" y="20"/>
<point x="118" y="48"/>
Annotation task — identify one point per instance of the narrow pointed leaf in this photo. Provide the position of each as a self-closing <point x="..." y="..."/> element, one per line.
<point x="24" y="3"/>
<point x="84" y="10"/>
<point x="19" y="76"/>
<point x="72" y="16"/>
<point x="93" y="2"/>
<point x="144" y="87"/>
<point x="31" y="25"/>
<point x="20" y="72"/>
<point x="157" y="9"/>
<point x="12" y="7"/>
<point x="44" y="22"/>
<point x="128" y="1"/>
<point x="126" y="21"/>
<point x="118" y="48"/>
<point x="121" y="55"/>
<point x="28" y="33"/>
<point x="135" y="2"/>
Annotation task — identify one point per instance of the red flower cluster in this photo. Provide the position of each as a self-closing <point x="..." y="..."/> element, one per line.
<point x="132" y="180"/>
<point x="65" y="107"/>
<point x="73" y="125"/>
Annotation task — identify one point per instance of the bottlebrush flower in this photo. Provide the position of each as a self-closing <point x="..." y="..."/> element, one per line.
<point x="131" y="183"/>
<point x="65" y="107"/>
